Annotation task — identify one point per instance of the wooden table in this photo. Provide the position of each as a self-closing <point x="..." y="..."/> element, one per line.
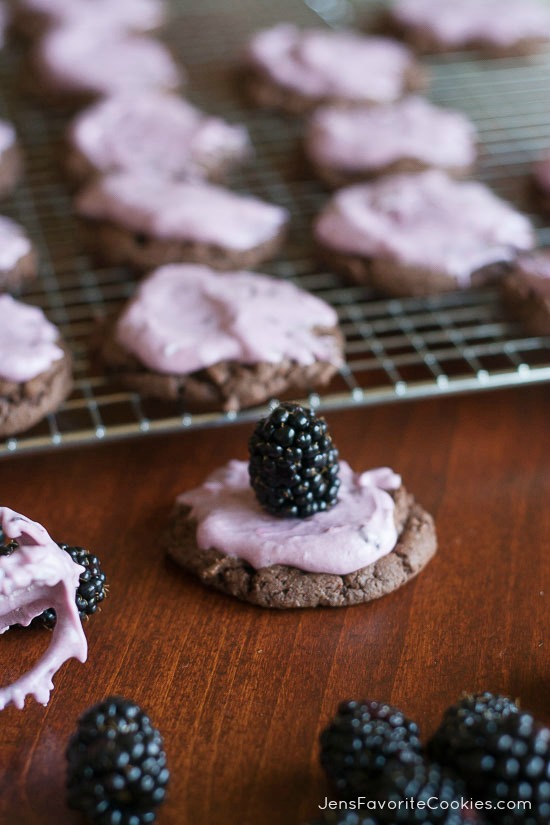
<point x="240" y="694"/>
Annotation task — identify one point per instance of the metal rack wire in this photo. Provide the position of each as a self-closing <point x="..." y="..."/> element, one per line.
<point x="395" y="349"/>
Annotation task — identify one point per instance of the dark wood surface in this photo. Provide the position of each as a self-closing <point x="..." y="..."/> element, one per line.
<point x="240" y="694"/>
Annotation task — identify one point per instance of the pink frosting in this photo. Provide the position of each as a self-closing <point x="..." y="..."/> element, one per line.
<point x="427" y="220"/>
<point x="534" y="270"/>
<point x="27" y="341"/>
<point x="7" y="136"/>
<point x="324" y="63"/>
<point x="458" y="23"/>
<point x="182" y="210"/>
<point x="187" y="317"/>
<point x="357" y="531"/>
<point x="36" y="576"/>
<point x="104" y="60"/>
<point x="371" y="138"/>
<point x="137" y="15"/>
<point x="160" y="133"/>
<point x="14" y="244"/>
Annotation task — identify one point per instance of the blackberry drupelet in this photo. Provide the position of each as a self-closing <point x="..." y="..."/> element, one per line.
<point x="361" y="739"/>
<point x="117" y="772"/>
<point x="91" y="589"/>
<point x="293" y="463"/>
<point x="503" y="755"/>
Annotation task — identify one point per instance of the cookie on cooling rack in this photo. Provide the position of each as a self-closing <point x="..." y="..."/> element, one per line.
<point x="331" y="539"/>
<point x="345" y="145"/>
<point x="35" y="366"/>
<point x="526" y="291"/>
<point x="11" y="165"/>
<point x="34" y="17"/>
<point x="142" y="220"/>
<point x="74" y="64"/>
<point x="296" y="69"/>
<point x="17" y="256"/>
<point x="157" y="133"/>
<point x="496" y="27"/>
<point x="420" y="234"/>
<point x="222" y="340"/>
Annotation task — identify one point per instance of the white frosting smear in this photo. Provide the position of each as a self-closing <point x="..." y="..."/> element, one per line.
<point x="181" y="210"/>
<point x="356" y="532"/>
<point x="324" y="63"/>
<point x="187" y="317"/>
<point x="156" y="132"/>
<point x="27" y="341"/>
<point x="427" y="220"/>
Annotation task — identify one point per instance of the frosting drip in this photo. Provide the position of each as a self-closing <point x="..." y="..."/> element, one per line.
<point x="357" y="531"/>
<point x="104" y="60"/>
<point x="461" y="22"/>
<point x="187" y="317"/>
<point x="159" y="133"/>
<point x="375" y="137"/>
<point x="138" y="15"/>
<point x="534" y="271"/>
<point x="27" y="341"/>
<point x="181" y="210"/>
<point x="427" y="220"/>
<point x="323" y="63"/>
<point x="14" y="244"/>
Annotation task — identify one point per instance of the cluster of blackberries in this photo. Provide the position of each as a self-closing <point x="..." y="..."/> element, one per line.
<point x="488" y="762"/>
<point x="293" y="463"/>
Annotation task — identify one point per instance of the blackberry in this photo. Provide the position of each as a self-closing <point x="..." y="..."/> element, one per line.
<point x="502" y="754"/>
<point x="91" y="589"/>
<point x="7" y="548"/>
<point x="117" y="772"/>
<point x="361" y="739"/>
<point x="293" y="463"/>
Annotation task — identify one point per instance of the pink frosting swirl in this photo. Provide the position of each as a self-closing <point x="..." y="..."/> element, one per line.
<point x="426" y="220"/>
<point x="356" y="532"/>
<point x="324" y="63"/>
<point x="27" y="341"/>
<point x="187" y="317"/>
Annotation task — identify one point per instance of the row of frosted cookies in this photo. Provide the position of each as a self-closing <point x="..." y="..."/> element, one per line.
<point x="402" y="221"/>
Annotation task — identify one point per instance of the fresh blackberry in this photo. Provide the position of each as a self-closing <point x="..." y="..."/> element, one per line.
<point x="117" y="772"/>
<point x="91" y="589"/>
<point x="293" y="463"/>
<point x="7" y="547"/>
<point x="502" y="754"/>
<point x="361" y="739"/>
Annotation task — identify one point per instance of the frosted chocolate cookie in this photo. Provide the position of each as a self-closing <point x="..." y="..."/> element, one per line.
<point x="498" y="27"/>
<point x="421" y="234"/>
<point x="17" y="256"/>
<point x="10" y="159"/>
<point x="222" y="340"/>
<point x="294" y="70"/>
<point x="346" y="145"/>
<point x="145" y="221"/>
<point x="152" y="132"/>
<point x="297" y="528"/>
<point x="74" y="64"/>
<point x="526" y="290"/>
<point x="35" y="366"/>
<point x="33" y="17"/>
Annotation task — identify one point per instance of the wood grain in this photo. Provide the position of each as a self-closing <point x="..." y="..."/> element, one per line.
<point x="240" y="694"/>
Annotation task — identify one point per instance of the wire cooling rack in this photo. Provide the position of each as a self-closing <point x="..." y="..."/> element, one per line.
<point x="395" y="349"/>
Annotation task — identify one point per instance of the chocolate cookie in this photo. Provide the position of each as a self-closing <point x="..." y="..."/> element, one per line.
<point x="17" y="256"/>
<point x="526" y="291"/>
<point x="142" y="220"/>
<point x="283" y="586"/>
<point x="222" y="340"/>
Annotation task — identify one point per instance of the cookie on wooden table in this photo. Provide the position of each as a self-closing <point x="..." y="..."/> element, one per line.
<point x="421" y="234"/>
<point x="346" y="145"/>
<point x="35" y="366"/>
<point x="222" y="340"/>
<point x="526" y="290"/>
<point x="34" y="17"/>
<point x="17" y="256"/>
<point x="142" y="220"/>
<point x="153" y="132"/>
<point x="297" y="69"/>
<point x="496" y="27"/>
<point x="296" y="528"/>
